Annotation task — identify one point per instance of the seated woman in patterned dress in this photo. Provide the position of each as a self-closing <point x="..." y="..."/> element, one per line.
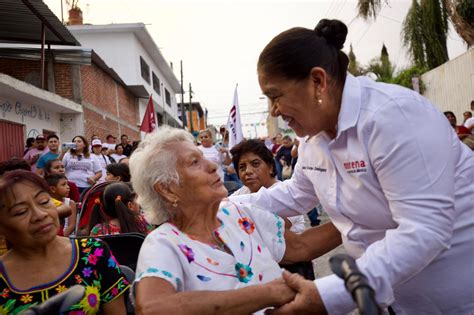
<point x="210" y="255"/>
<point x="41" y="264"/>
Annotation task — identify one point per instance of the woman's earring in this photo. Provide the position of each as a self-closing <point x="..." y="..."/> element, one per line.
<point x="175" y="203"/>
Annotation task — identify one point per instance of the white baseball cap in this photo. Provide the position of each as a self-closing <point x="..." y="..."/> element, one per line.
<point x="96" y="142"/>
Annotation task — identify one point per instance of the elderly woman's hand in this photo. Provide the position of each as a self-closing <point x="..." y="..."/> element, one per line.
<point x="279" y="289"/>
<point x="306" y="301"/>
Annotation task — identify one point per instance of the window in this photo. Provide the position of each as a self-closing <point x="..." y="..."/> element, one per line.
<point x="168" y="97"/>
<point x="145" y="69"/>
<point x="156" y="84"/>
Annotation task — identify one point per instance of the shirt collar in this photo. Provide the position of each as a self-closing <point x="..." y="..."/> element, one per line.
<point x="350" y="104"/>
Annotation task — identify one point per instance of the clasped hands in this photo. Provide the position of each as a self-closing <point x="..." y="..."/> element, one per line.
<point x="296" y="296"/>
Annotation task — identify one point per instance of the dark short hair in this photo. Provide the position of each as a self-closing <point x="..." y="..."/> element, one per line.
<point x="14" y="164"/>
<point x="252" y="146"/>
<point x="118" y="145"/>
<point x="119" y="169"/>
<point x="124" y="135"/>
<point x="53" y="179"/>
<point x="9" y="179"/>
<point x="110" y="136"/>
<point x="293" y="53"/>
<point x="30" y="141"/>
<point x="52" y="136"/>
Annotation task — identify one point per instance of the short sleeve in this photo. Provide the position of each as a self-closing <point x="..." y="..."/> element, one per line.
<point x="95" y="164"/>
<point x="66" y="158"/>
<point x="159" y="258"/>
<point x="113" y="282"/>
<point x="271" y="228"/>
<point x="41" y="162"/>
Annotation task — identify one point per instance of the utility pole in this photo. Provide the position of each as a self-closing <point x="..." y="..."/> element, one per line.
<point x="190" y="107"/>
<point x="183" y="107"/>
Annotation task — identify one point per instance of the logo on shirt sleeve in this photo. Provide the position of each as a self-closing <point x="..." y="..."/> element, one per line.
<point x="355" y="167"/>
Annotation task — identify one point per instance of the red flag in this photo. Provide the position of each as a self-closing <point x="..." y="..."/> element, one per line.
<point x="149" y="119"/>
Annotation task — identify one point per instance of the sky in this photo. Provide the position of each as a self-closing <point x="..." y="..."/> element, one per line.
<point x="219" y="41"/>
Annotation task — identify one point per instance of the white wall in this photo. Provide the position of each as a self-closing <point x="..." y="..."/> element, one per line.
<point x="35" y="117"/>
<point x="122" y="51"/>
<point x="451" y="85"/>
<point x="117" y="50"/>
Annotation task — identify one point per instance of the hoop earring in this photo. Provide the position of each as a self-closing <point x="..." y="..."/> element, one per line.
<point x="175" y="203"/>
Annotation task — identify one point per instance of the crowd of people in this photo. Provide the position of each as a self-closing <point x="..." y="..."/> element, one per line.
<point x="392" y="174"/>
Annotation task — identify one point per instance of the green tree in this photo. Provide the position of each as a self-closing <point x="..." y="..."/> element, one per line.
<point x="382" y="67"/>
<point x="354" y="67"/>
<point x="424" y="32"/>
<point x="426" y="25"/>
<point x="405" y="77"/>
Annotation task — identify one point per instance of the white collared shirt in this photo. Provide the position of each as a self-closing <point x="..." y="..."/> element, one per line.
<point x="398" y="184"/>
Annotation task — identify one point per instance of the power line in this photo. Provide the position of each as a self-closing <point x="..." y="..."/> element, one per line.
<point x="241" y="114"/>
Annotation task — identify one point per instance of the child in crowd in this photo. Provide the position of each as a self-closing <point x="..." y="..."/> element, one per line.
<point x="59" y="191"/>
<point x="118" y="212"/>
<point x="117" y="172"/>
<point x="56" y="166"/>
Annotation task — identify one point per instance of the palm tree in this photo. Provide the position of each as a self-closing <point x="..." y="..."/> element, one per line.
<point x="460" y="12"/>
<point x="424" y="30"/>
<point x="354" y="67"/>
<point x="424" y="33"/>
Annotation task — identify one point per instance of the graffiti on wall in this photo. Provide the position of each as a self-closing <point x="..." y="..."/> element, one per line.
<point x="29" y="111"/>
<point x="33" y="133"/>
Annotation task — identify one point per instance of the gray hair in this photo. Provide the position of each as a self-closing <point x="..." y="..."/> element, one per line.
<point x="153" y="162"/>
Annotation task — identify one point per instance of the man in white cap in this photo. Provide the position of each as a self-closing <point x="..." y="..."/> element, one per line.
<point x="101" y="158"/>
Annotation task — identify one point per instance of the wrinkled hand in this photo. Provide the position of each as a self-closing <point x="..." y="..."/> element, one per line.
<point x="279" y="289"/>
<point x="307" y="299"/>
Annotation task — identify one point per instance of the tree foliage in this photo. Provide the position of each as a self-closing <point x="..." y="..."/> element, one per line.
<point x="424" y="33"/>
<point x="354" y="67"/>
<point x="381" y="67"/>
<point x="369" y="8"/>
<point x="405" y="77"/>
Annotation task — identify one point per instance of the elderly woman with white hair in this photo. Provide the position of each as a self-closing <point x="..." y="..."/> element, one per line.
<point x="209" y="255"/>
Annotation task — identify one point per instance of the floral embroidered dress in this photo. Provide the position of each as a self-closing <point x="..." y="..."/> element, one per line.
<point x="92" y="266"/>
<point x="253" y="235"/>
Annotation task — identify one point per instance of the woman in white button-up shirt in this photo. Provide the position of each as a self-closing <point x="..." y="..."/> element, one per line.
<point x="388" y="169"/>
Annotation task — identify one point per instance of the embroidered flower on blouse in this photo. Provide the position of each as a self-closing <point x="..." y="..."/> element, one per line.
<point x="91" y="301"/>
<point x="244" y="272"/>
<point x="5" y="293"/>
<point x="60" y="288"/>
<point x="87" y="272"/>
<point x="187" y="251"/>
<point x="26" y="298"/>
<point x="247" y="225"/>
<point x="98" y="252"/>
<point x="78" y="278"/>
<point x="92" y="259"/>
